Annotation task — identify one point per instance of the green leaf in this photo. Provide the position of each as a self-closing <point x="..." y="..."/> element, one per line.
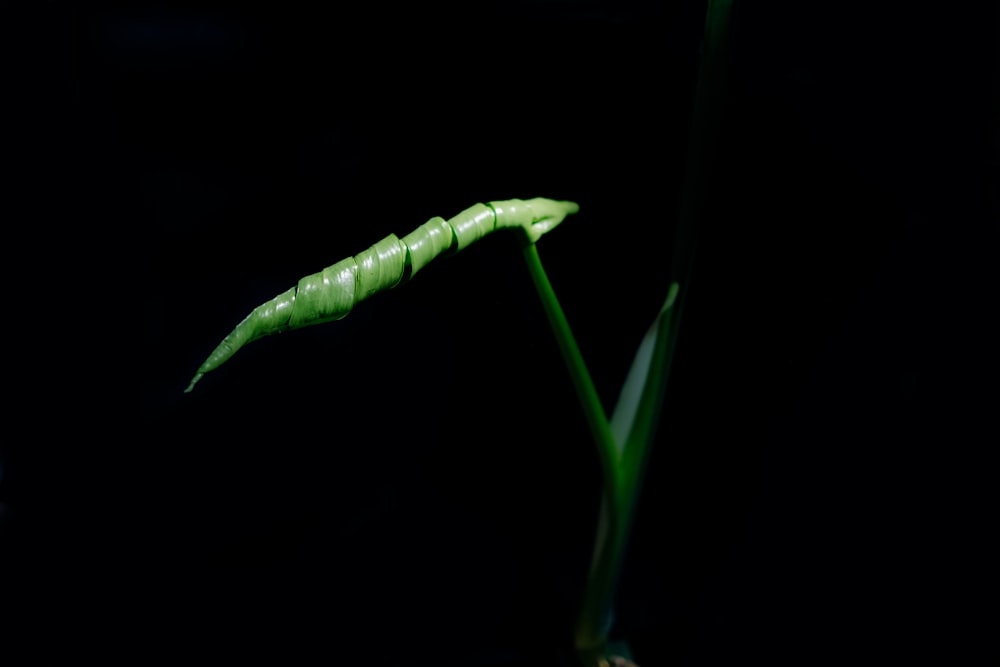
<point x="636" y="414"/>
<point x="643" y="376"/>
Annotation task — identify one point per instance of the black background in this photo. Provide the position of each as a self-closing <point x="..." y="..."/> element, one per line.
<point x="414" y="484"/>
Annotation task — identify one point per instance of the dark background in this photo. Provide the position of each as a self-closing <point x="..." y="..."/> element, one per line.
<point x="414" y="484"/>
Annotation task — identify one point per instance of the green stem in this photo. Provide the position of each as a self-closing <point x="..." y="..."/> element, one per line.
<point x="593" y="411"/>
<point x="706" y="130"/>
<point x="609" y="546"/>
<point x="623" y="472"/>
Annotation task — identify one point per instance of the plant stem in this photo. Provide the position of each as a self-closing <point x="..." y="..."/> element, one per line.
<point x="609" y="545"/>
<point x="623" y="471"/>
<point x="706" y="129"/>
<point x="590" y="402"/>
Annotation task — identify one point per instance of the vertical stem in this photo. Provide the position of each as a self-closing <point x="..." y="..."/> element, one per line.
<point x="617" y="514"/>
<point x="706" y="128"/>
<point x="623" y="473"/>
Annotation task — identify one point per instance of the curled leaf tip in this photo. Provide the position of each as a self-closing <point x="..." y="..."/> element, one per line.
<point x="194" y="381"/>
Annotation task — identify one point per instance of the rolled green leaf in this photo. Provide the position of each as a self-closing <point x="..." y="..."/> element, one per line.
<point x="334" y="291"/>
